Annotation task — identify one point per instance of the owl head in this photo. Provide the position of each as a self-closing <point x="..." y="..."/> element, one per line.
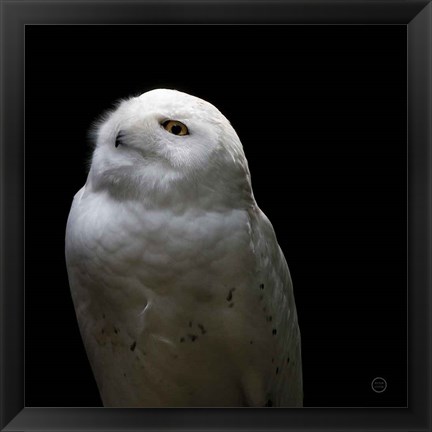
<point x="165" y="146"/>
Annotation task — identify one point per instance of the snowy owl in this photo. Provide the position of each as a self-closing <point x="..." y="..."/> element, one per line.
<point x="182" y="294"/>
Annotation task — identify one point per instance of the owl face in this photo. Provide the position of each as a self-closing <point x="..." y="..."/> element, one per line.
<point x="165" y="138"/>
<point x="168" y="128"/>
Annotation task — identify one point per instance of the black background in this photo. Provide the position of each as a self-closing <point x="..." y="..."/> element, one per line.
<point x="321" y="112"/>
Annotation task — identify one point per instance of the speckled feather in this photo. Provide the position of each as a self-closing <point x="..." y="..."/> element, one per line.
<point x="182" y="294"/>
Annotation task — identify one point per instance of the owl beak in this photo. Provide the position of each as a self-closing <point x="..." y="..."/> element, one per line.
<point x="119" y="138"/>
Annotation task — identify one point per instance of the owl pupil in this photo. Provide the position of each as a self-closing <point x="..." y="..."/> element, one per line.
<point x="176" y="129"/>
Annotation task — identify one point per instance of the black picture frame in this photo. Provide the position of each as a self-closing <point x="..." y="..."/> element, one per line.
<point x="416" y="15"/>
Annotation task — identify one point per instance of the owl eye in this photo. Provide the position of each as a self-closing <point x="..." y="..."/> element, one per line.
<point x="175" y="127"/>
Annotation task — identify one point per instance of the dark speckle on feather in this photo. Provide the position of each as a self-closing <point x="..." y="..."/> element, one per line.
<point x="274" y="331"/>
<point x="202" y="328"/>
<point x="116" y="330"/>
<point x="269" y="403"/>
<point x="262" y="286"/>
<point x="103" y="316"/>
<point x="192" y="337"/>
<point x="133" y="346"/>
<point x="182" y="339"/>
<point x="251" y="342"/>
<point x="231" y="305"/>
<point x="277" y="370"/>
<point x="288" y="360"/>
<point x="230" y="294"/>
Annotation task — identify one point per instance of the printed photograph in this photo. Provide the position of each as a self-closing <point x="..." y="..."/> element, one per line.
<point x="216" y="216"/>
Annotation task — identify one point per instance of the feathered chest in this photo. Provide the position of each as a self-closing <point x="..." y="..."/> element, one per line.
<point x="159" y="246"/>
<point x="173" y="295"/>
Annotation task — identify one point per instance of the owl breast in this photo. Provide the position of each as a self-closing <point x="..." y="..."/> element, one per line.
<point x="167" y="302"/>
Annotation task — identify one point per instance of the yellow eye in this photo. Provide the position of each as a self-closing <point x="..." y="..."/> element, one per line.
<point x="175" y="127"/>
